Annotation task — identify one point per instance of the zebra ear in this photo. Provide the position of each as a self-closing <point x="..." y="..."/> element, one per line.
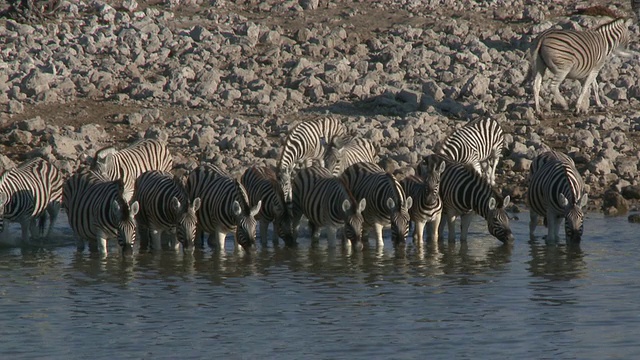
<point x="236" y="208"/>
<point x="115" y="209"/>
<point x="441" y="168"/>
<point x="409" y="202"/>
<point x="134" y="208"/>
<point x="256" y="209"/>
<point x="583" y="200"/>
<point x="175" y="204"/>
<point x="506" y="201"/>
<point x="3" y="199"/>
<point x="346" y="205"/>
<point x="563" y="200"/>
<point x="196" y="204"/>
<point x="362" y="205"/>
<point x="492" y="204"/>
<point x="390" y="203"/>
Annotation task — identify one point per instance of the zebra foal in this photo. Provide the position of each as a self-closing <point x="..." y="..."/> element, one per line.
<point x="387" y="204"/>
<point x="262" y="185"/>
<point x="28" y="193"/>
<point x="464" y="192"/>
<point x="556" y="191"/>
<point x="225" y="207"/>
<point x="326" y="202"/>
<point x="165" y="207"/>
<point x="576" y="55"/>
<point x="424" y="189"/>
<point x="98" y="210"/>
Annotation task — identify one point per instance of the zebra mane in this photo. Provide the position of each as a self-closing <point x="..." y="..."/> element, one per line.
<point x="611" y="24"/>
<point x="243" y="195"/>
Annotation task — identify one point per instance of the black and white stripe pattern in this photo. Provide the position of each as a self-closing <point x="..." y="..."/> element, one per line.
<point x="132" y="161"/>
<point x="556" y="191"/>
<point x="165" y="207"/>
<point x="385" y="198"/>
<point x="225" y="207"/>
<point x="304" y="144"/>
<point x="262" y="185"/>
<point x="98" y="211"/>
<point x="478" y="143"/>
<point x="326" y="202"/>
<point x="576" y="55"/>
<point x="345" y="151"/>
<point x="463" y="192"/>
<point x="28" y="193"/>
<point x="424" y="189"/>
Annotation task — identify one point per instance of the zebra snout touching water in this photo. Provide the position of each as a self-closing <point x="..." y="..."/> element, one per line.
<point x="262" y="185"/>
<point x="478" y="143"/>
<point x="28" y="193"/>
<point x="387" y="204"/>
<point x="165" y="206"/>
<point x="345" y="151"/>
<point x="326" y="202"/>
<point x="224" y="207"/>
<point x="556" y="190"/>
<point x="576" y="55"/>
<point x="98" y="210"/>
<point x="463" y="192"/>
<point x="424" y="189"/>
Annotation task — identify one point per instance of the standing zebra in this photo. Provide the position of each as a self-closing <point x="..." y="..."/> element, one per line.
<point x="556" y="190"/>
<point x="303" y="144"/>
<point x="165" y="206"/>
<point x="577" y="55"/>
<point x="132" y="161"/>
<point x="475" y="143"/>
<point x="262" y="185"/>
<point x="225" y="207"/>
<point x="385" y="198"/>
<point x="463" y="192"/>
<point x="345" y="151"/>
<point x="424" y="189"/>
<point x="326" y="202"/>
<point x="98" y="210"/>
<point x="28" y="193"/>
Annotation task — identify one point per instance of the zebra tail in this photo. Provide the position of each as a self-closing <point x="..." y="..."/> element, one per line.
<point x="533" y="62"/>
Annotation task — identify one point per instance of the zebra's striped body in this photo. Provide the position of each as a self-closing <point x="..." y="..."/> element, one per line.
<point x="478" y="143"/>
<point x="98" y="211"/>
<point x="28" y="193"/>
<point x="225" y="207"/>
<point x="556" y="191"/>
<point x="262" y="185"/>
<point x="326" y="202"/>
<point x="463" y="192"/>
<point x="304" y="144"/>
<point x="132" y="161"/>
<point x="348" y="150"/>
<point x="427" y="204"/>
<point x="576" y="55"/>
<point x="385" y="198"/>
<point x="165" y="207"/>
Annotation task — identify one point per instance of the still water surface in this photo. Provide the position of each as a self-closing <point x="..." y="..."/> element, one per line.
<point x="476" y="300"/>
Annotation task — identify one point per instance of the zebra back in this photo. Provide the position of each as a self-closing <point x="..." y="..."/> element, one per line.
<point x="304" y="143"/>
<point x="345" y="151"/>
<point x="385" y="198"/>
<point x="262" y="185"/>
<point x="97" y="208"/>
<point x="556" y="187"/>
<point x="224" y="206"/>
<point x="165" y="205"/>
<point x="463" y="190"/>
<point x="28" y="190"/>
<point x="326" y="201"/>
<point x="424" y="189"/>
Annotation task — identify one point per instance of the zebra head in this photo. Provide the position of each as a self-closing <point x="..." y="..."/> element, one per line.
<point x="103" y="161"/>
<point x="573" y="217"/>
<point x="125" y="218"/>
<point x="284" y="177"/>
<point x="431" y="175"/>
<point x="246" y="224"/>
<point x="617" y="35"/>
<point x="353" y="221"/>
<point x="187" y="222"/>
<point x="498" y="220"/>
<point x="4" y="201"/>
<point x="283" y="223"/>
<point x="399" y="219"/>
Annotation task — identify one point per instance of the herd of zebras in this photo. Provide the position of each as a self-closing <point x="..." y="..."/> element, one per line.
<point x="324" y="174"/>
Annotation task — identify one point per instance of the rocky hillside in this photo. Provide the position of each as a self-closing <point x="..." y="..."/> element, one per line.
<point x="223" y="81"/>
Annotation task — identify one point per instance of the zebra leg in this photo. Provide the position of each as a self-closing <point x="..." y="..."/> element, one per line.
<point x="596" y="92"/>
<point x="418" y="231"/>
<point x="79" y="244"/>
<point x="53" y="210"/>
<point x="533" y="223"/>
<point x="315" y="232"/>
<point x="378" y="233"/>
<point x="537" y="85"/>
<point x="551" y="228"/>
<point x="582" y="104"/>
<point x="434" y="226"/>
<point x="101" y="240"/>
<point x="555" y="88"/>
<point x="451" y="224"/>
<point x="264" y="227"/>
<point x="331" y="237"/>
<point x="26" y="227"/>
<point x="156" y="239"/>
<point x="219" y="244"/>
<point x="465" y="221"/>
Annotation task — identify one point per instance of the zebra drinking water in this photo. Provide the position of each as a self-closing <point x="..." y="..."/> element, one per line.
<point x="576" y="55"/>
<point x="28" y="193"/>
<point x="165" y="207"/>
<point x="556" y="191"/>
